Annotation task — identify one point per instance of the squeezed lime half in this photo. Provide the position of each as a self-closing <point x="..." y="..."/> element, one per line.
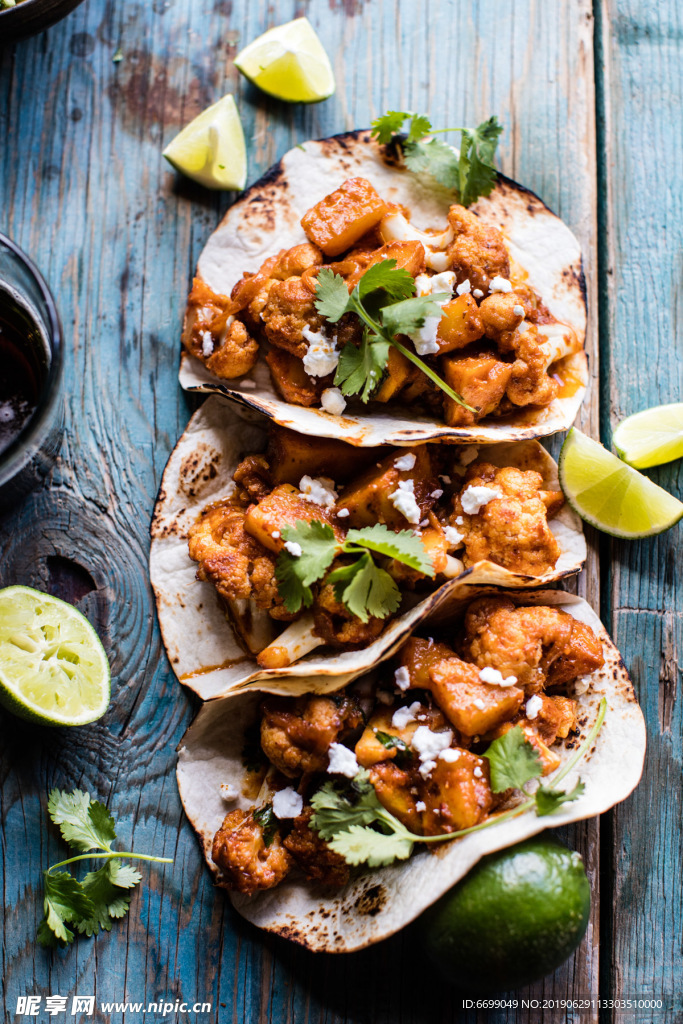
<point x="53" y="668"/>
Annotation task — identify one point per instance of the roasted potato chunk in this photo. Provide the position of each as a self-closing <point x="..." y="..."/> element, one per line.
<point x="474" y="707"/>
<point x="419" y="656"/>
<point x="398" y="372"/>
<point x="394" y="787"/>
<point x="409" y="256"/>
<point x="479" y="379"/>
<point x="457" y="794"/>
<point x="368" y="499"/>
<point x="284" y="506"/>
<point x="291" y="379"/>
<point x="460" y="324"/>
<point x="292" y="455"/>
<point x="340" y="219"/>
<point x="247" y="864"/>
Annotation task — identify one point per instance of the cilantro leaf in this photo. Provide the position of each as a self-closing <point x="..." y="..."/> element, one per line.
<point x="476" y="173"/>
<point x="85" y="824"/>
<point x="385" y="276"/>
<point x="408" y="316"/>
<point x="109" y="897"/>
<point x="362" y="845"/>
<point x="295" y="574"/>
<point x="334" y="812"/>
<point x="436" y="158"/>
<point x="331" y="295"/>
<point x="65" y="901"/>
<point x="420" y="125"/>
<point x="265" y="817"/>
<point x="548" y="800"/>
<point x="405" y="546"/>
<point x="360" y="368"/>
<point x="389" y="742"/>
<point x="513" y="761"/>
<point x="365" y="589"/>
<point x="386" y="126"/>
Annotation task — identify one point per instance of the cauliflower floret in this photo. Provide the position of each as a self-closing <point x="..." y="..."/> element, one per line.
<point x="247" y="864"/>
<point x="313" y="855"/>
<point x="288" y="312"/>
<point x="296" y="734"/>
<point x="337" y="625"/>
<point x="478" y="253"/>
<point x="212" y="334"/>
<point x="539" y="645"/>
<point x="511" y="529"/>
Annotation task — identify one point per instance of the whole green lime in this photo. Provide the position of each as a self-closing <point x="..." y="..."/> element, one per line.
<point x="514" y="918"/>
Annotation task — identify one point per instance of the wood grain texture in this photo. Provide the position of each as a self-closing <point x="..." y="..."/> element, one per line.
<point x="84" y="189"/>
<point x="642" y="94"/>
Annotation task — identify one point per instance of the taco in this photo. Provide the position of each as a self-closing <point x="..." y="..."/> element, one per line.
<point x="504" y="333"/>
<point x="336" y="819"/>
<point x="246" y="510"/>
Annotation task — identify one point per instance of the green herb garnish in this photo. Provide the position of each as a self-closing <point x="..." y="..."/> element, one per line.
<point x="390" y="742"/>
<point x="102" y="895"/>
<point x="363" y="832"/>
<point x="265" y="817"/>
<point x="362" y="586"/>
<point x="470" y="173"/>
<point x="384" y="299"/>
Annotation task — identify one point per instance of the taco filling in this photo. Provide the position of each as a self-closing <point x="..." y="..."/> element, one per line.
<point x="435" y="745"/>
<point x="441" y="321"/>
<point x="331" y="554"/>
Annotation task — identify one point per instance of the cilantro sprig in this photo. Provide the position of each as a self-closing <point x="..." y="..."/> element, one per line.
<point x="103" y="895"/>
<point x="363" y="587"/>
<point x="470" y="173"/>
<point x="384" y="299"/>
<point x="357" y="826"/>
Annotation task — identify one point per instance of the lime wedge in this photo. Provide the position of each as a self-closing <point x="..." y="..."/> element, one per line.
<point x="289" y="62"/>
<point x="53" y="669"/>
<point x="211" y="148"/>
<point x="651" y="437"/>
<point x="609" y="494"/>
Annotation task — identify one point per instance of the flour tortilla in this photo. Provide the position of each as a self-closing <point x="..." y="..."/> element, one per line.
<point x="202" y="645"/>
<point x="267" y="218"/>
<point x="378" y="902"/>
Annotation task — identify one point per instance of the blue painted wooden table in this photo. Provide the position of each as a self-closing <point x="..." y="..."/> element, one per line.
<point x="591" y="98"/>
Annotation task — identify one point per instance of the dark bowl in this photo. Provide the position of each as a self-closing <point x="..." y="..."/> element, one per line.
<point x="31" y="16"/>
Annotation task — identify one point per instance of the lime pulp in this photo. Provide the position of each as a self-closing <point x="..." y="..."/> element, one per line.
<point x="289" y="62"/>
<point x="211" y="148"/>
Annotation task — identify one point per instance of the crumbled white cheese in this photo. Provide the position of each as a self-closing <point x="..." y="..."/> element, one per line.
<point x="228" y="792"/>
<point x="436" y="494"/>
<point x="293" y="548"/>
<point x="420" y="806"/>
<point x="428" y="745"/>
<point x="453" y="536"/>
<point x="500" y="284"/>
<point x="333" y="401"/>
<point x="342" y="761"/>
<point x="449" y="755"/>
<point x="580" y="685"/>
<point x="478" y="703"/>
<point x="426" y="768"/>
<point x="402" y="716"/>
<point x="322" y="354"/>
<point x="464" y="288"/>
<point x="493" y="676"/>
<point x="319" y="489"/>
<point x="478" y="773"/>
<point x="342" y="513"/>
<point x="405" y="462"/>
<point x="533" y="706"/>
<point x="423" y="523"/>
<point x="518" y="310"/>
<point x="474" y="498"/>
<point x="287" y="803"/>
<point x="459" y="521"/>
<point x="425" y="339"/>
<point x="275" y="535"/>
<point x="403" y="500"/>
<point x="478" y="293"/>
<point x="468" y="454"/>
<point x="437" y="261"/>
<point x="207" y="343"/>
<point x="402" y="678"/>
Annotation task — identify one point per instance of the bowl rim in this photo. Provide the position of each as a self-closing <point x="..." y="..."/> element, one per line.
<point x="14" y="456"/>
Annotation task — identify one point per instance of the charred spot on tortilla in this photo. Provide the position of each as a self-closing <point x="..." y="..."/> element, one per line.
<point x="529" y="403"/>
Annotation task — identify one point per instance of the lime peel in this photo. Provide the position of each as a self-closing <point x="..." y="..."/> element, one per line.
<point x="53" y="668"/>
<point x="609" y="494"/>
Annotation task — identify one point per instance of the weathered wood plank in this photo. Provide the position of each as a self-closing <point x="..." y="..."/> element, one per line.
<point x="84" y="189"/>
<point x="643" y="93"/>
